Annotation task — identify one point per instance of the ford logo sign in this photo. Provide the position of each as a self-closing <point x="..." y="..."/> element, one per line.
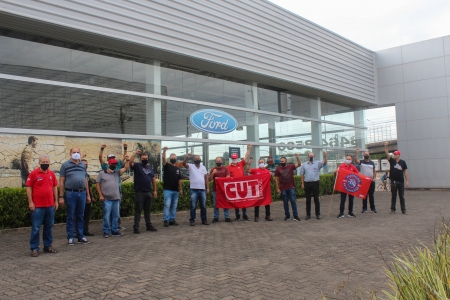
<point x="213" y="121"/>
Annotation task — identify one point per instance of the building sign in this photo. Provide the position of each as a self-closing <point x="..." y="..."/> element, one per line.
<point x="336" y="141"/>
<point x="213" y="121"/>
<point x="232" y="150"/>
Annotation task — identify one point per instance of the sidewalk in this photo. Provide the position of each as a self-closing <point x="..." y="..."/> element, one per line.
<point x="239" y="260"/>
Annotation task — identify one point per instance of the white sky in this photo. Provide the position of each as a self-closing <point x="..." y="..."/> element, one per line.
<point x="377" y="24"/>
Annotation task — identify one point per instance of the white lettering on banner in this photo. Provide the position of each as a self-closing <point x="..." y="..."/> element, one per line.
<point x="209" y="122"/>
<point x="243" y="190"/>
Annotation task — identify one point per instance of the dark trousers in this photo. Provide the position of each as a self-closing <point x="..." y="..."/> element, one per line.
<point x="400" y="188"/>
<point x="350" y="203"/>
<point x="87" y="218"/>
<point x="142" y="200"/>
<point x="371" y="197"/>
<point x="267" y="211"/>
<point x="244" y="212"/>
<point x="312" y="188"/>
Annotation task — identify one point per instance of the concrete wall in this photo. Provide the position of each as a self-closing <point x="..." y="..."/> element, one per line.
<point x="416" y="79"/>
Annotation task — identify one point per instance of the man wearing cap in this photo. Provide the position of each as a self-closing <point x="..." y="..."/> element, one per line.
<point x="367" y="168"/>
<point x="260" y="171"/>
<point x="219" y="171"/>
<point x="310" y="172"/>
<point x="398" y="174"/>
<point x="109" y="194"/>
<point x="237" y="170"/>
<point x="284" y="182"/>
<point x="73" y="186"/>
<point x="172" y="188"/>
<point x="26" y="159"/>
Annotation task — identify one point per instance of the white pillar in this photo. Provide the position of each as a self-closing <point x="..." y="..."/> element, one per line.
<point x="359" y="120"/>
<point x="252" y="119"/>
<point x="316" y="127"/>
<point x="153" y="106"/>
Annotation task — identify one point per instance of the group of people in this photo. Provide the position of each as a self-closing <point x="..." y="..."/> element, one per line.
<point x="75" y="190"/>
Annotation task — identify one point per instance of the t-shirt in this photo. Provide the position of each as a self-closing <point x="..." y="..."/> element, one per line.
<point x="397" y="169"/>
<point x="259" y="171"/>
<point x="42" y="184"/>
<point x="367" y="167"/>
<point x="238" y="169"/>
<point x="197" y="176"/>
<point x="171" y="177"/>
<point x="221" y="172"/>
<point x="285" y="176"/>
<point x="74" y="174"/>
<point x="109" y="184"/>
<point x="143" y="177"/>
<point x="350" y="168"/>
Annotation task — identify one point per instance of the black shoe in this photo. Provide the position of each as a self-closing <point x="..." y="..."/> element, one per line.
<point x="83" y="241"/>
<point x="363" y="211"/>
<point x="205" y="222"/>
<point x="117" y="233"/>
<point x="256" y="219"/>
<point x="215" y="220"/>
<point x="404" y="212"/>
<point x="318" y="217"/>
<point x="173" y="223"/>
<point x="287" y="218"/>
<point x="246" y="218"/>
<point x="88" y="234"/>
<point x="166" y="223"/>
<point x="192" y="223"/>
<point x="392" y="212"/>
<point x="228" y="220"/>
<point x="151" y="228"/>
<point x="105" y="235"/>
<point x="340" y="216"/>
<point x="136" y="230"/>
<point x="238" y="218"/>
<point x="374" y="211"/>
<point x="351" y="215"/>
<point x="268" y="218"/>
<point x="307" y="217"/>
<point x="296" y="218"/>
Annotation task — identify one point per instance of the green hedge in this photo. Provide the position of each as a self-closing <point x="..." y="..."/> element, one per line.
<point x="14" y="210"/>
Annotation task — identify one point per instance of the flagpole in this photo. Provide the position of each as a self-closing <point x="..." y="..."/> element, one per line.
<point x="332" y="194"/>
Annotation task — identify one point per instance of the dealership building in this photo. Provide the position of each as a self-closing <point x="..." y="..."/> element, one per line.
<point x="207" y="76"/>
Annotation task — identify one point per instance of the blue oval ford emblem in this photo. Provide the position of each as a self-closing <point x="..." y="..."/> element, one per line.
<point x="213" y="121"/>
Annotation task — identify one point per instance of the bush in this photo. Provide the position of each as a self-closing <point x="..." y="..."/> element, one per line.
<point x="15" y="212"/>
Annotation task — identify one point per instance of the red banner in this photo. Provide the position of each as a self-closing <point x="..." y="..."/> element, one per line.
<point x="352" y="183"/>
<point x="243" y="192"/>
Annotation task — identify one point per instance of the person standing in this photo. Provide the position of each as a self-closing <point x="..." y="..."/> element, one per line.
<point x="219" y="171"/>
<point x="26" y="159"/>
<point x="367" y="168"/>
<point x="172" y="188"/>
<point x="349" y="167"/>
<point x="199" y="185"/>
<point x="144" y="179"/>
<point x="260" y="171"/>
<point x="237" y="170"/>
<point x="88" y="206"/>
<point x="284" y="181"/>
<point x="109" y="194"/>
<point x="42" y="194"/>
<point x="398" y="174"/>
<point x="74" y="185"/>
<point x="310" y="172"/>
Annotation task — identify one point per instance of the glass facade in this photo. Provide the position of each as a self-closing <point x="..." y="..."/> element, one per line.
<point x="88" y="90"/>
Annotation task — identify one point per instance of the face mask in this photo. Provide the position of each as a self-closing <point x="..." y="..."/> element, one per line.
<point x="144" y="162"/>
<point x="366" y="156"/>
<point x="197" y="161"/>
<point x="173" y="160"/>
<point x="311" y="159"/>
<point x="348" y="161"/>
<point x="234" y="161"/>
<point x="219" y="164"/>
<point x="76" y="155"/>
<point x="44" y="166"/>
<point x="261" y="165"/>
<point x="283" y="164"/>
<point x="112" y="167"/>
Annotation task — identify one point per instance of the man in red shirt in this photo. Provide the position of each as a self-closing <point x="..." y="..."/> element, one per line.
<point x="237" y="170"/>
<point x="42" y="197"/>
<point x="219" y="171"/>
<point x="259" y="171"/>
<point x="284" y="181"/>
<point x="349" y="167"/>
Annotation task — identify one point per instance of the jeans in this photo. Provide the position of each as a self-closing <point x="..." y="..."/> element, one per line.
<point x="400" y="188"/>
<point x="267" y="211"/>
<point x="238" y="215"/>
<point x="87" y="218"/>
<point x="226" y="211"/>
<point x="350" y="203"/>
<point x="371" y="197"/>
<point x="75" y="203"/>
<point x="198" y="196"/>
<point x="289" y="195"/>
<point x="110" y="216"/>
<point x="142" y="200"/>
<point x="170" y="205"/>
<point x="312" y="187"/>
<point x="41" y="215"/>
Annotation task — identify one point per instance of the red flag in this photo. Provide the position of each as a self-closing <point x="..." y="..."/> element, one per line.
<point x="243" y="192"/>
<point x="352" y="183"/>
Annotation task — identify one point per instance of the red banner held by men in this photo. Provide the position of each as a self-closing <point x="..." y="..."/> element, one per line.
<point x="243" y="192"/>
<point x="351" y="183"/>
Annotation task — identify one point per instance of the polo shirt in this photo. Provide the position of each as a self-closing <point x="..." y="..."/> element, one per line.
<point x="285" y="176"/>
<point x="367" y="167"/>
<point x="259" y="171"/>
<point x="42" y="184"/>
<point x="109" y="184"/>
<point x="197" y="176"/>
<point x="221" y="172"/>
<point x="350" y="168"/>
<point x="311" y="171"/>
<point x="143" y="177"/>
<point x="74" y="174"/>
<point x="238" y="169"/>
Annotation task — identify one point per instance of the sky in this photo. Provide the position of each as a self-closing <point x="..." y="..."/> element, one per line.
<point x="377" y="25"/>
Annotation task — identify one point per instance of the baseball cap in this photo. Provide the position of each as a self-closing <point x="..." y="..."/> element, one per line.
<point x="234" y="155"/>
<point x="111" y="156"/>
<point x="397" y="152"/>
<point x="112" y="162"/>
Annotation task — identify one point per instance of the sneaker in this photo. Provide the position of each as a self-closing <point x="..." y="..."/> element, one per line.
<point x="71" y="242"/>
<point x="351" y="215"/>
<point x="136" y="230"/>
<point x="392" y="212"/>
<point x="228" y="220"/>
<point x="166" y="223"/>
<point x="340" y="216"/>
<point x="307" y="217"/>
<point x="268" y="218"/>
<point x="287" y="218"/>
<point x="192" y="223"/>
<point x="404" y="212"/>
<point x="173" y="223"/>
<point x="121" y="227"/>
<point x="105" y="235"/>
<point x="215" y="220"/>
<point x="318" y="217"/>
<point x="296" y="219"/>
<point x="151" y="228"/>
<point x="205" y="222"/>
<point x="363" y="211"/>
<point x="374" y="211"/>
<point x="256" y="219"/>
<point x="238" y="218"/>
<point x="246" y="218"/>
<point x="83" y="241"/>
<point x="117" y="233"/>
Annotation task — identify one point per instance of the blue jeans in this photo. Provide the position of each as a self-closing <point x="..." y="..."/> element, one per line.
<point x="110" y="215"/>
<point x="198" y="196"/>
<point x="75" y="203"/>
<point x="170" y="205"/>
<point x="350" y="203"/>
<point x="41" y="215"/>
<point x="216" y="210"/>
<point x="289" y="195"/>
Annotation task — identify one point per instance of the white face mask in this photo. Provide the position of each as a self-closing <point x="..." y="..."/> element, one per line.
<point x="76" y="155"/>
<point x="348" y="161"/>
<point x="234" y="161"/>
<point x="261" y="165"/>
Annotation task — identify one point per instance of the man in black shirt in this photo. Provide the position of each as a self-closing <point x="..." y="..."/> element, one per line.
<point x="399" y="178"/>
<point x="172" y="188"/>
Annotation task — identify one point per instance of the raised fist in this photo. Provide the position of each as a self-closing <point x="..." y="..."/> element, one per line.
<point x="386" y="143"/>
<point x="138" y="152"/>
<point x="189" y="155"/>
<point x="166" y="148"/>
<point x="103" y="146"/>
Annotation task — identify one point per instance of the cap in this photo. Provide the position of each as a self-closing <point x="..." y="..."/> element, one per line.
<point x="397" y="152"/>
<point x="234" y="155"/>
<point x="112" y="162"/>
<point x="111" y="155"/>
